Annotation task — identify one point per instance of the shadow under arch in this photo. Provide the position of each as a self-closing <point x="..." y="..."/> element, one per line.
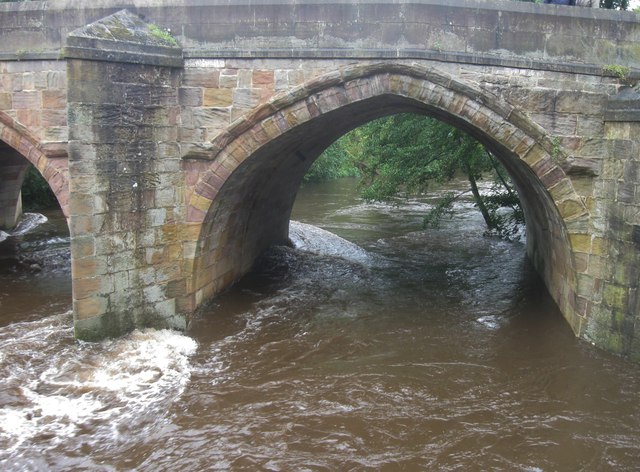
<point x="53" y="166"/>
<point x="244" y="199"/>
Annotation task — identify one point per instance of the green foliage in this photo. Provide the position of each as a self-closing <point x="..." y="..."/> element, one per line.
<point x="333" y="163"/>
<point x="556" y="150"/>
<point x="162" y="35"/>
<point x="442" y="208"/>
<point x="36" y="193"/>
<point x="614" y="4"/>
<point x="404" y="154"/>
<point x="621" y="72"/>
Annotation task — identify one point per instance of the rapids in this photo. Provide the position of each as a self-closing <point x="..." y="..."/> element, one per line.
<point x="395" y="348"/>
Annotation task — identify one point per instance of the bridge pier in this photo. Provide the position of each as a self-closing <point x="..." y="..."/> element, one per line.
<point x="124" y="177"/>
<point x="13" y="167"/>
<point x="610" y="267"/>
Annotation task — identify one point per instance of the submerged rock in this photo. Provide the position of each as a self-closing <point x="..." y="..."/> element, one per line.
<point x="319" y="241"/>
<point x="34" y="245"/>
<point x="28" y="222"/>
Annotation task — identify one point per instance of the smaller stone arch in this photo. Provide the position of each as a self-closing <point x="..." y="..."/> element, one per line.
<point x="228" y="201"/>
<point x="52" y="164"/>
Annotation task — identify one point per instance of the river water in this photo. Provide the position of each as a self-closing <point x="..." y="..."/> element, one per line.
<point x="407" y="350"/>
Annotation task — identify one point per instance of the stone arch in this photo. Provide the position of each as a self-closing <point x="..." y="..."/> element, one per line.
<point x="53" y="166"/>
<point x="242" y="202"/>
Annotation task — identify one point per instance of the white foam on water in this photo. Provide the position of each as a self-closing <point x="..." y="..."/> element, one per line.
<point x="57" y="240"/>
<point x="86" y="384"/>
<point x="3" y="235"/>
<point x="28" y="222"/>
<point x="145" y="364"/>
<point x="55" y="415"/>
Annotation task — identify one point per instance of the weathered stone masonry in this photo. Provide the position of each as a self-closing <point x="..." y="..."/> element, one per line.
<point x="33" y="123"/>
<point x="124" y="164"/>
<point x="185" y="157"/>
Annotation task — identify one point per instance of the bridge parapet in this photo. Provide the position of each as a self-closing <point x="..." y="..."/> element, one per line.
<point x="498" y="32"/>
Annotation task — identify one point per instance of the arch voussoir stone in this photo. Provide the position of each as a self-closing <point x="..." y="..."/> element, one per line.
<point x="250" y="141"/>
<point x="312" y="107"/>
<point x="524" y="145"/>
<point x="523" y="122"/>
<point x="472" y="111"/>
<point x="357" y="89"/>
<point x="260" y="134"/>
<point x="534" y="155"/>
<point x="270" y="127"/>
<point x="331" y="99"/>
<point x="299" y="113"/>
<point x="571" y="209"/>
<point x="399" y="84"/>
<point x="562" y="190"/>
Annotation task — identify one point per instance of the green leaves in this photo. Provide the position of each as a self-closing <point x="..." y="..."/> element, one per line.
<point x="36" y="193"/>
<point x="405" y="154"/>
<point x="614" y="4"/>
<point x="334" y="163"/>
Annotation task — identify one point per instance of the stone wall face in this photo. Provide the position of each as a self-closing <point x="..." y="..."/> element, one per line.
<point x="616" y="258"/>
<point x="126" y="210"/>
<point x="125" y="196"/>
<point x="34" y="94"/>
<point x="183" y="171"/>
<point x="33" y="120"/>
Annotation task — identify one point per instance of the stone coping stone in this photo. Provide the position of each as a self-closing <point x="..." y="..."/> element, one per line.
<point x="124" y="37"/>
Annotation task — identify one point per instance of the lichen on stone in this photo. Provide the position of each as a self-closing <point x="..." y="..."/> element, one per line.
<point x="124" y="26"/>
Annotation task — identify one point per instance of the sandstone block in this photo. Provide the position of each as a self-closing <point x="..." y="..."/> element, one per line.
<point x="90" y="307"/>
<point x="219" y="97"/>
<point x="201" y="77"/>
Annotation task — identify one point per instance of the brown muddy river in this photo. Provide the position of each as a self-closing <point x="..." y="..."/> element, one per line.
<point x="414" y="350"/>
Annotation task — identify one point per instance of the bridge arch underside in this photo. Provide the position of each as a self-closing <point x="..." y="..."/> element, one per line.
<point x="265" y="164"/>
<point x="13" y="168"/>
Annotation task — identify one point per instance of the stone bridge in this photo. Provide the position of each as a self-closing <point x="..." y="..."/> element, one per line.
<point x="175" y="137"/>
